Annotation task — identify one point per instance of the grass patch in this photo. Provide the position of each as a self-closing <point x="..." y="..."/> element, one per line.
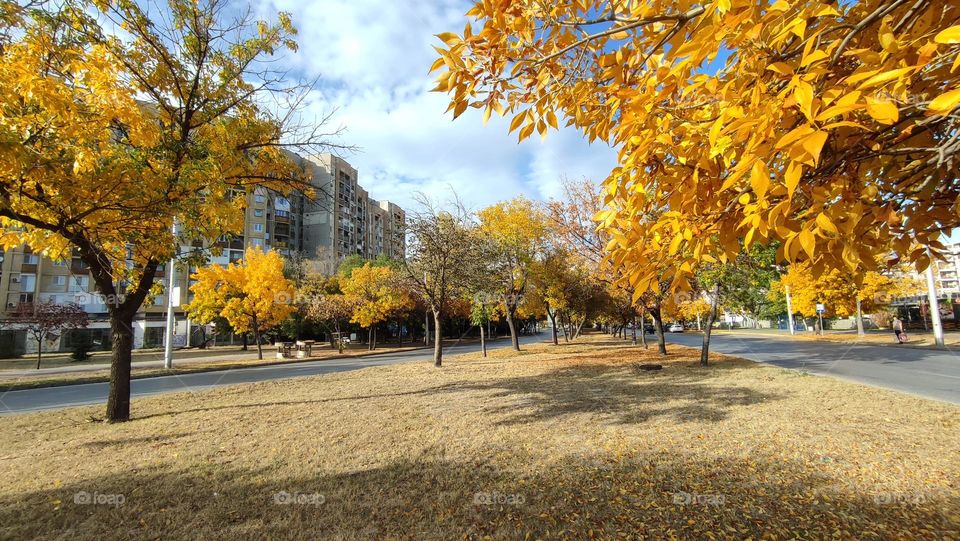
<point x="562" y="442"/>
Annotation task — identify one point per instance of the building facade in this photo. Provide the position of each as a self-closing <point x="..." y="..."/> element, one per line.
<point x="339" y="219"/>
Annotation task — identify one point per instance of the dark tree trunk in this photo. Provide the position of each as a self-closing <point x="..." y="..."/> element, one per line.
<point x="711" y="317"/>
<point x="244" y="348"/>
<point x="553" y="326"/>
<point x="514" y="339"/>
<point x="658" y="326"/>
<point x="438" y="339"/>
<point x="118" y="400"/>
<point x="634" y="329"/>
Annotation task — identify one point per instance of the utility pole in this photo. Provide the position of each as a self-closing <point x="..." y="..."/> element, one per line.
<point x="789" y="310"/>
<point x="168" y="343"/>
<point x="934" y="307"/>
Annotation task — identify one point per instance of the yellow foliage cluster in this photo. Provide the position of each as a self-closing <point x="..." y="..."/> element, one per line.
<point x="839" y="294"/>
<point x="252" y="295"/>
<point x="375" y="294"/>
<point x="827" y="127"/>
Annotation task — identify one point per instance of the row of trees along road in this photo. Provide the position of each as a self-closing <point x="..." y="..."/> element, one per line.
<point x="828" y="131"/>
<point x="114" y="137"/>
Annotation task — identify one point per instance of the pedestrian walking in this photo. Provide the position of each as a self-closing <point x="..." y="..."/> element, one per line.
<point x="898" y="330"/>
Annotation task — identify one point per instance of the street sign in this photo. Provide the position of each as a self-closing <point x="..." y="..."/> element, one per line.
<point x="821" y="308"/>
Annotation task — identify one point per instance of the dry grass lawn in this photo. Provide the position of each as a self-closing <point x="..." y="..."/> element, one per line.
<point x="572" y="442"/>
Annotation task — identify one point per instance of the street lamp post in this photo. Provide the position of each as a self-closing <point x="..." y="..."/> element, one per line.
<point x="789" y="310"/>
<point x="934" y="304"/>
<point x="168" y="343"/>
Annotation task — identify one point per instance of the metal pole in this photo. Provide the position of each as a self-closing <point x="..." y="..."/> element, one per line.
<point x="934" y="303"/>
<point x="168" y="343"/>
<point x="789" y="310"/>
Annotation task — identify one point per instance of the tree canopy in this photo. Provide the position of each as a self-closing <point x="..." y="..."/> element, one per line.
<point x="829" y="127"/>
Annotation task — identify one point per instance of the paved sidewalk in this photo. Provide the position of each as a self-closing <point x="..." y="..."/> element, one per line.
<point x="928" y="372"/>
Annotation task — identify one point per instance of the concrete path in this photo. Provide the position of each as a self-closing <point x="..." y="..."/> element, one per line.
<point x="27" y="400"/>
<point x="928" y="372"/>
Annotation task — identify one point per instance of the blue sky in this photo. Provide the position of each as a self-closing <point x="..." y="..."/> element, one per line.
<point x="373" y="57"/>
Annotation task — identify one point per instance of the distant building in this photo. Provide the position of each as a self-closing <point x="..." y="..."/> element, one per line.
<point x="340" y="219"/>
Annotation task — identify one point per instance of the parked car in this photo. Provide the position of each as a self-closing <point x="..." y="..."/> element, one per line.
<point x="676" y="327"/>
<point x="648" y="328"/>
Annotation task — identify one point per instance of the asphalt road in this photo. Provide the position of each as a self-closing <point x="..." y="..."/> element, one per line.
<point x="927" y="372"/>
<point x="27" y="400"/>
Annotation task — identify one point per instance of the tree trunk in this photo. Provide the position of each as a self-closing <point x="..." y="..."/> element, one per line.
<point x="860" y="332"/>
<point x="563" y="325"/>
<point x="438" y="338"/>
<point x="711" y="317"/>
<point x="658" y="326"/>
<point x="634" y="329"/>
<point x="118" y="400"/>
<point x="399" y="333"/>
<point x="483" y="341"/>
<point x="514" y="339"/>
<point x="553" y="326"/>
<point x="244" y="348"/>
<point x="39" y="352"/>
<point x="256" y="338"/>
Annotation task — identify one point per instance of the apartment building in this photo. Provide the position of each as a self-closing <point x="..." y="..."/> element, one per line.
<point x="340" y="219"/>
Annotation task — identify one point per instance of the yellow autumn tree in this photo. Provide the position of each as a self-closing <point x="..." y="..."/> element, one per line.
<point x="252" y="295"/>
<point x="376" y="294"/>
<point x="109" y="140"/>
<point x="841" y="294"/>
<point x="830" y="127"/>
<point x="515" y="230"/>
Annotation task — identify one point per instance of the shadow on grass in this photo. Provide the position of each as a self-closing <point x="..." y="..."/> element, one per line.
<point x="621" y="393"/>
<point x="653" y="496"/>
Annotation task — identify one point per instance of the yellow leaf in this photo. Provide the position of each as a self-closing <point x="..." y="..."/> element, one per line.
<point x="449" y="38"/>
<point x="949" y="36"/>
<point x="882" y="110"/>
<point x="759" y="179"/>
<point x="808" y="242"/>
<point x="944" y="103"/>
<point x="792" y="176"/>
<point x="517" y="120"/>
<point x="803" y="93"/>
<point x="813" y="144"/>
<point x="825" y="224"/>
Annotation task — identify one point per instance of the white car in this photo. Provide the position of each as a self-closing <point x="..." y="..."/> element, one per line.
<point x="676" y="327"/>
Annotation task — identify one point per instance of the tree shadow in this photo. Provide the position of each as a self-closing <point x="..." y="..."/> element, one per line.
<point x="574" y="497"/>
<point x="620" y="393"/>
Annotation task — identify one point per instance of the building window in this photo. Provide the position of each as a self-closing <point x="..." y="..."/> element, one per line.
<point x="259" y="199"/>
<point x="258" y="213"/>
<point x="258" y="228"/>
<point x="59" y="280"/>
<point x="256" y="242"/>
<point x="30" y="259"/>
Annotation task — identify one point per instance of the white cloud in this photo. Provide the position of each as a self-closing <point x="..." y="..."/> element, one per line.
<point x="373" y="57"/>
